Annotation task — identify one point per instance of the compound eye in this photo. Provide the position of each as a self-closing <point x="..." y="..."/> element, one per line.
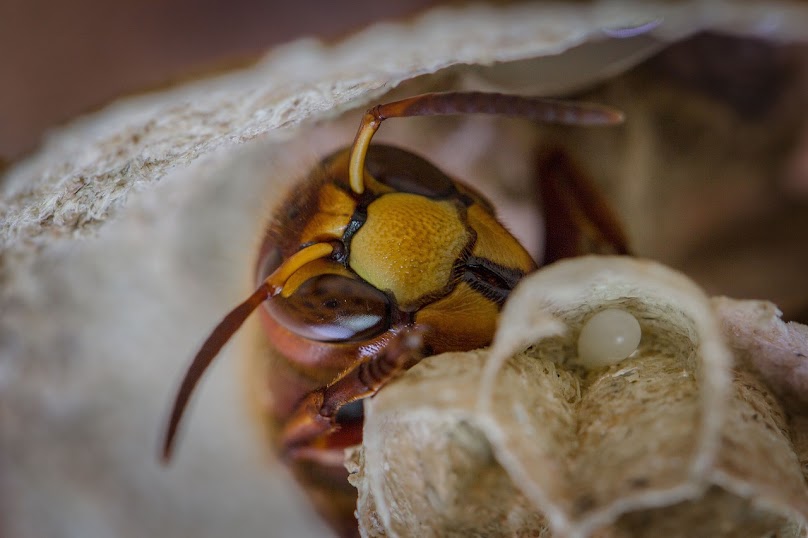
<point x="333" y="308"/>
<point x="407" y="172"/>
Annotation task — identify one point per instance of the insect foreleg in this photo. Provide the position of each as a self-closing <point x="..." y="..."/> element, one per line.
<point x="316" y="414"/>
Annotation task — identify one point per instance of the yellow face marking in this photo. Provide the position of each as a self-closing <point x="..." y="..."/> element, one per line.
<point x="335" y="208"/>
<point x="408" y="246"/>
<point x="495" y="243"/>
<point x="464" y="319"/>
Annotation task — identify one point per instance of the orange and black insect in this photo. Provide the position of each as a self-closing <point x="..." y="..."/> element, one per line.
<point x="379" y="259"/>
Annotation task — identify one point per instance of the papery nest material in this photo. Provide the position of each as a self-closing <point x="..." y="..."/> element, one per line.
<point x="131" y="232"/>
<point x="676" y="440"/>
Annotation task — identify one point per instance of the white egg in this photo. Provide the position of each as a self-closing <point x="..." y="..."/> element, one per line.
<point x="607" y="338"/>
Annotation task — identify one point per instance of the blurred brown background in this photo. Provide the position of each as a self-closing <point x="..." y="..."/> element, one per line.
<point x="62" y="59"/>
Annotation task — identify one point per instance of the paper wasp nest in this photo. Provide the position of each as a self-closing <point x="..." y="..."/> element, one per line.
<point x="129" y="234"/>
<point x="683" y="438"/>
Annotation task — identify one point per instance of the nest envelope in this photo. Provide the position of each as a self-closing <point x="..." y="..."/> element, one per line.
<point x="132" y="231"/>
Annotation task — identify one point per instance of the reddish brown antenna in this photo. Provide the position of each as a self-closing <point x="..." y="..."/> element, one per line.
<point x="453" y="103"/>
<point x="227" y="328"/>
